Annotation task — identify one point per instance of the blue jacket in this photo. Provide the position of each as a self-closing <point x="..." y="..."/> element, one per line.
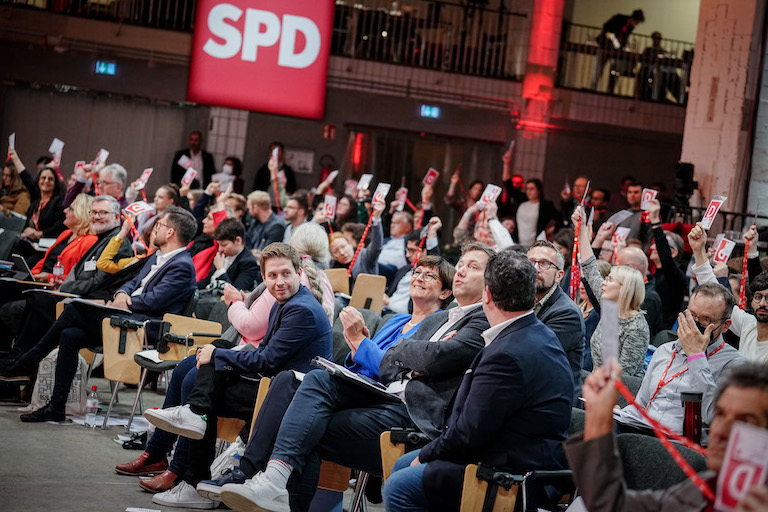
<point x="371" y="351"/>
<point x="511" y="411"/>
<point x="168" y="291"/>
<point x="298" y="331"/>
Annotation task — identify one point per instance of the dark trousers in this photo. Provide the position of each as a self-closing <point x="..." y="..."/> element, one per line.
<point x="78" y="327"/>
<point x="216" y="394"/>
<point x="179" y="389"/>
<point x="328" y="418"/>
<point x="39" y="315"/>
<point x="10" y="291"/>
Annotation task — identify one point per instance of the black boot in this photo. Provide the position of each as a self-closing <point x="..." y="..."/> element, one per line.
<point x="47" y="413"/>
<point x="15" y="373"/>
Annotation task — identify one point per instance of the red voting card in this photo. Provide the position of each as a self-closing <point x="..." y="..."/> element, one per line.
<point x="490" y="194"/>
<point x="723" y="250"/>
<point x="144" y="178"/>
<point x="138" y="207"/>
<point x="712" y="209"/>
<point x="745" y="465"/>
<point x="330" y="207"/>
<point x="648" y="195"/>
<point x="188" y="177"/>
<point x="381" y="192"/>
<point x="431" y="177"/>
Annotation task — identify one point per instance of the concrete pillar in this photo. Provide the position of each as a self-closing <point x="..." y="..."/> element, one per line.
<point x="538" y="85"/>
<point x="722" y="96"/>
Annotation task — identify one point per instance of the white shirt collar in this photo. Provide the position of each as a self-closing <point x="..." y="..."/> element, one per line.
<point x="163" y="257"/>
<point x="490" y="334"/>
<point x="459" y="312"/>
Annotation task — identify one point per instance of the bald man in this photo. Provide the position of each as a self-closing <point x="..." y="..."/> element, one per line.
<point x="635" y="257"/>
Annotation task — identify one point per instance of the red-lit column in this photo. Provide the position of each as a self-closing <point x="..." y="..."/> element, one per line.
<point x="538" y="84"/>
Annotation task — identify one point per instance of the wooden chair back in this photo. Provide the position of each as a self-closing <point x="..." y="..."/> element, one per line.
<point x="184" y="325"/>
<point x="369" y="292"/>
<point x="339" y="278"/>
<point x="121" y="367"/>
<point x="473" y="493"/>
<point x="390" y="452"/>
<point x="228" y="429"/>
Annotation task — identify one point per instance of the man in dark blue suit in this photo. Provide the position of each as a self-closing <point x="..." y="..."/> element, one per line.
<point x="227" y="381"/>
<point x="512" y="408"/>
<point x="164" y="285"/>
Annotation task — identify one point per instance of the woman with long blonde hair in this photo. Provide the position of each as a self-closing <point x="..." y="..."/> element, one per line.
<point x="625" y="286"/>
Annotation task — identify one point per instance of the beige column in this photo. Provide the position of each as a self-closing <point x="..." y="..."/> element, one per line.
<point x="722" y="96"/>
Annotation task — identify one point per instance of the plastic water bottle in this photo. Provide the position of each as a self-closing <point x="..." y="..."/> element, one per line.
<point x="91" y="408"/>
<point x="58" y="273"/>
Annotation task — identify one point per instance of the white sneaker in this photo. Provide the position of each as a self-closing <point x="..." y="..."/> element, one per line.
<point x="183" y="496"/>
<point x="258" y="494"/>
<point x="178" y="420"/>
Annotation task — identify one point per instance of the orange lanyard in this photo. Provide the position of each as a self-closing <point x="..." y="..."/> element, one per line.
<point x="663" y="381"/>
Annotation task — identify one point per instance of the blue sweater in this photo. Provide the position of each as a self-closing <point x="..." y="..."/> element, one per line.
<point x="371" y="351"/>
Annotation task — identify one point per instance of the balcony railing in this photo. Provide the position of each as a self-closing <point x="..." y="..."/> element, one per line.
<point x="444" y="36"/>
<point x="648" y="71"/>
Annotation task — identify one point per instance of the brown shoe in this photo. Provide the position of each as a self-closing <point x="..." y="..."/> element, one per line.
<point x="159" y="483"/>
<point x="139" y="467"/>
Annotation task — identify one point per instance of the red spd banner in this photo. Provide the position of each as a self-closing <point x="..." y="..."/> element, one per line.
<point x="262" y="55"/>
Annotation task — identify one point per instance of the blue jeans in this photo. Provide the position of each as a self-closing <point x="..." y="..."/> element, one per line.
<point x="161" y="442"/>
<point x="404" y="490"/>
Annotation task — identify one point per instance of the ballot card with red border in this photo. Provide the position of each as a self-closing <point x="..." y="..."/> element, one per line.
<point x="144" y="178"/>
<point x="723" y="250"/>
<point x="648" y="195"/>
<point x="490" y="194"/>
<point x="430" y="177"/>
<point x="712" y="209"/>
<point x="188" y="177"/>
<point x="330" y="207"/>
<point x="382" y="189"/>
<point x="745" y="465"/>
<point x="138" y="208"/>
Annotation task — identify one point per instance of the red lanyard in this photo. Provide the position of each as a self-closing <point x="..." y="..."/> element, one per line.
<point x="663" y="381"/>
<point x="36" y="213"/>
<point x="664" y="434"/>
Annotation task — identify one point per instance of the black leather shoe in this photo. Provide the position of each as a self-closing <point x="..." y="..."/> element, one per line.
<point x="47" y="413"/>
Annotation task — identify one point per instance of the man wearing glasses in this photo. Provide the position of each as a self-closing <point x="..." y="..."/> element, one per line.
<point x="692" y="363"/>
<point x="554" y="308"/>
<point x="752" y="329"/>
<point x="164" y="285"/>
<point x="112" y="179"/>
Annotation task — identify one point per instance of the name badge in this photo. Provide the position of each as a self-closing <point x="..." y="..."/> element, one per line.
<point x="90" y="266"/>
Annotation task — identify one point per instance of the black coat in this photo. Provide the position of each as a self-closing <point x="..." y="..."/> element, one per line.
<point x="512" y="411"/>
<point x="243" y="273"/>
<point x="564" y="317"/>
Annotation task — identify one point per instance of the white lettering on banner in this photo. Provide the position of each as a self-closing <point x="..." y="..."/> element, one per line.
<point x="230" y="34"/>
<point x="262" y="28"/>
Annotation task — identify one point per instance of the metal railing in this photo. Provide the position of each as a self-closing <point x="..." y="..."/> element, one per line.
<point x="445" y="36"/>
<point x="641" y="69"/>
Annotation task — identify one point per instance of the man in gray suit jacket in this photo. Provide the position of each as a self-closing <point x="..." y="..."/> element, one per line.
<point x="554" y="308"/>
<point x="594" y="457"/>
